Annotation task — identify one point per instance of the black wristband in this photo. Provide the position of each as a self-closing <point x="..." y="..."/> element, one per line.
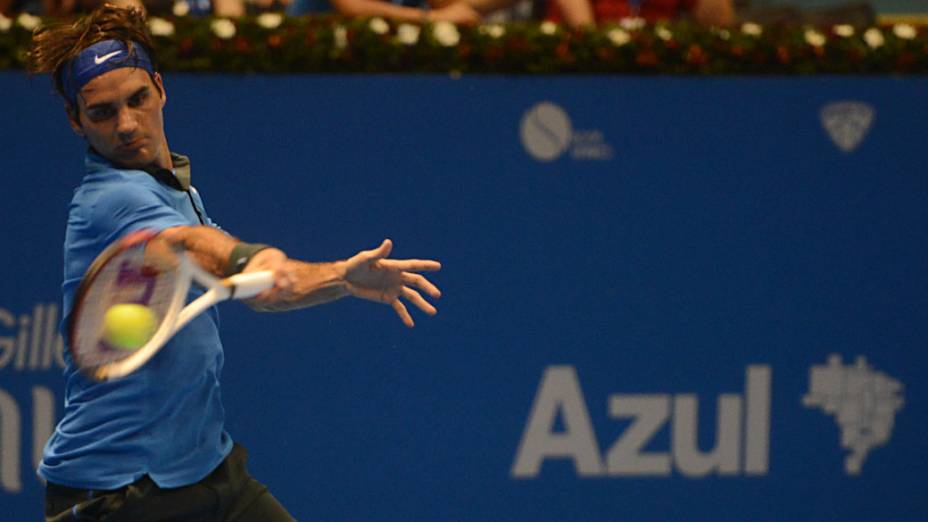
<point x="241" y="255"/>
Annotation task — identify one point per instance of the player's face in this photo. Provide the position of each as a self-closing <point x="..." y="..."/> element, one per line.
<point x="119" y="113"/>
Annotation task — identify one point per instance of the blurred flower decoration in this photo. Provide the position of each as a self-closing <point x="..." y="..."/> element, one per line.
<point x="548" y="28"/>
<point x="446" y="34"/>
<point x="618" y="37"/>
<point x="379" y="25"/>
<point x="223" y="28"/>
<point x="814" y="38"/>
<point x="904" y="31"/>
<point x="408" y="34"/>
<point x="160" y="27"/>
<point x="492" y="30"/>
<point x="270" y="21"/>
<point x="272" y="43"/>
<point x="843" y="30"/>
<point x="752" y="29"/>
<point x="28" y="22"/>
<point x="874" y="38"/>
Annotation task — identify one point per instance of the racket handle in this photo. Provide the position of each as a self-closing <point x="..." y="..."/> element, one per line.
<point x="250" y="284"/>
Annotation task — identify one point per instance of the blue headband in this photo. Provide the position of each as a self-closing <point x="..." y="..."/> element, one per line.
<point x="99" y="58"/>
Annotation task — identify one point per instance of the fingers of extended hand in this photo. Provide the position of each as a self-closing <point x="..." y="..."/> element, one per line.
<point x="416" y="299"/>
<point x="423" y="284"/>
<point x="411" y="265"/>
<point x="378" y="253"/>
<point x="401" y="311"/>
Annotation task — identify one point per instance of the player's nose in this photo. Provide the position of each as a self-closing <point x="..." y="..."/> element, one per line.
<point x="126" y="122"/>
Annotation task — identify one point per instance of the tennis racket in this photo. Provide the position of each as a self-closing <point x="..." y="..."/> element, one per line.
<point x="140" y="269"/>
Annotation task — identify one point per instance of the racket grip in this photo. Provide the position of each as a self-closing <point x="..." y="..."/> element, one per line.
<point x="250" y="284"/>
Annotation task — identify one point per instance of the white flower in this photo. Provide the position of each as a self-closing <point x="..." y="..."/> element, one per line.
<point x="724" y="34"/>
<point x="874" y="38"/>
<point x="492" y="30"/>
<point x="160" y="27"/>
<point x="181" y="8"/>
<point x="751" y="29"/>
<point x="904" y="31"/>
<point x="5" y="23"/>
<point x="340" y="36"/>
<point x="547" y="27"/>
<point x="270" y="20"/>
<point x="632" y="24"/>
<point x="446" y="34"/>
<point x="663" y="33"/>
<point x="28" y="22"/>
<point x="814" y="38"/>
<point x="223" y="28"/>
<point x="844" y="30"/>
<point x="407" y="34"/>
<point x="378" y="25"/>
<point x="618" y="37"/>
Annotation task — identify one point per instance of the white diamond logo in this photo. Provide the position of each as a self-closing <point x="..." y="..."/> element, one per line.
<point x="847" y="123"/>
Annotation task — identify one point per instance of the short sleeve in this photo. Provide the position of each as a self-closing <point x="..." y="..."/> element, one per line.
<point x="121" y="208"/>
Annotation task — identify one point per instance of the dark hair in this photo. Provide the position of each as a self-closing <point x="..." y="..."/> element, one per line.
<point x="54" y="46"/>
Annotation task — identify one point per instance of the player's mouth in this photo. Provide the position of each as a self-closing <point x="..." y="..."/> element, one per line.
<point x="132" y="145"/>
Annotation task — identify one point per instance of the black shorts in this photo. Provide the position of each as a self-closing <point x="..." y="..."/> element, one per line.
<point x="229" y="493"/>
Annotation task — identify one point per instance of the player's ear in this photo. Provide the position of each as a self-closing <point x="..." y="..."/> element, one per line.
<point x="75" y="120"/>
<point x="156" y="77"/>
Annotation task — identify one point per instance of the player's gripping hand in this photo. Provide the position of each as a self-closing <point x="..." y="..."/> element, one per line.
<point x="370" y="275"/>
<point x="274" y="260"/>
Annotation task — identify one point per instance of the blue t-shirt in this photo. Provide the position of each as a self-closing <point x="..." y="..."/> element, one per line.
<point x="166" y="419"/>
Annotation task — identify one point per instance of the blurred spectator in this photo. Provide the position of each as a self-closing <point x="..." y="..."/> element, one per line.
<point x="719" y="13"/>
<point x="456" y="11"/>
<point x="58" y="7"/>
<point x="574" y="13"/>
<point x="860" y="14"/>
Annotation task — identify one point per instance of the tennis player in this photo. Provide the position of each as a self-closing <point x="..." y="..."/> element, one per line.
<point x="152" y="446"/>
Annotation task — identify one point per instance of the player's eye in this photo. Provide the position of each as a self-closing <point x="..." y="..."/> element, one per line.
<point x="138" y="98"/>
<point x="98" y="114"/>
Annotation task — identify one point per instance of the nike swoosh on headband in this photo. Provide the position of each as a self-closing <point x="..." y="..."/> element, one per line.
<point x="100" y="59"/>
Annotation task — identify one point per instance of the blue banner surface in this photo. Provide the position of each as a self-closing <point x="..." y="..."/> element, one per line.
<point x="664" y="298"/>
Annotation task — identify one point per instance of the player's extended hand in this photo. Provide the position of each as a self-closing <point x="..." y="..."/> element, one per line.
<point x="370" y="275"/>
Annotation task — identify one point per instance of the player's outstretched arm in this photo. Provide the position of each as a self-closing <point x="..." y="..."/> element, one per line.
<point x="297" y="284"/>
<point x="368" y="275"/>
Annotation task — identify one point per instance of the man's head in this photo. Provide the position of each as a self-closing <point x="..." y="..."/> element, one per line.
<point x="104" y="69"/>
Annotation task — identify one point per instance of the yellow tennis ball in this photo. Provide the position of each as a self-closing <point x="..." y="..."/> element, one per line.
<point x="128" y="326"/>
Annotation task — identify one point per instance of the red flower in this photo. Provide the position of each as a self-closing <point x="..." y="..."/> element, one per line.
<point x="275" y="41"/>
<point x="185" y="47"/>
<point x="696" y="55"/>
<point x="783" y="54"/>
<point x="494" y="53"/>
<point x="464" y="50"/>
<point x="647" y="58"/>
<point x="562" y="51"/>
<point x="906" y="60"/>
<point x="241" y="45"/>
<point x="519" y="45"/>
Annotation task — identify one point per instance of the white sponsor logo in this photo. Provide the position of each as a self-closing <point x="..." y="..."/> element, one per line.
<point x="863" y="401"/>
<point x="742" y="440"/>
<point x="547" y="133"/>
<point x="100" y="59"/>
<point x="28" y="343"/>
<point x="11" y="446"/>
<point x="847" y="123"/>
<point x="34" y="343"/>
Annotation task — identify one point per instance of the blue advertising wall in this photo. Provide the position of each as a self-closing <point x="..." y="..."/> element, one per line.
<point x="664" y="298"/>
